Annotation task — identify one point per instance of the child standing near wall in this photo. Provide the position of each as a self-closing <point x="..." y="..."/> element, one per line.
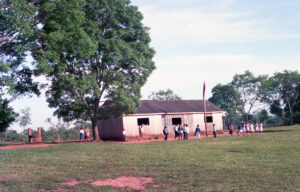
<point x="197" y="132"/>
<point x="214" y="131"/>
<point x="166" y="133"/>
<point x="123" y="135"/>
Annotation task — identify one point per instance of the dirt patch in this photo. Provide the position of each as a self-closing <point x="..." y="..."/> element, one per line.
<point x="74" y="182"/>
<point x="137" y="183"/>
<point x="9" y="147"/>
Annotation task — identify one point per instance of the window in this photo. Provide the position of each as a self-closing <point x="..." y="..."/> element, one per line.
<point x="209" y="119"/>
<point x="143" y="121"/>
<point x="176" y="121"/>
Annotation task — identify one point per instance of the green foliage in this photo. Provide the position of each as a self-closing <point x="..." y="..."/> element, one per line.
<point x="282" y="93"/>
<point x="18" y="29"/>
<point x="263" y="115"/>
<point x="164" y="95"/>
<point x="227" y="98"/>
<point x="250" y="89"/>
<point x="7" y="115"/>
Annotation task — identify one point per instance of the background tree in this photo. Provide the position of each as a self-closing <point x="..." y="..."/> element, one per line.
<point x="263" y="116"/>
<point x="25" y="117"/>
<point x="250" y="89"/>
<point x="228" y="99"/>
<point x="282" y="94"/>
<point x="7" y="115"/>
<point x="164" y="95"/>
<point x="94" y="50"/>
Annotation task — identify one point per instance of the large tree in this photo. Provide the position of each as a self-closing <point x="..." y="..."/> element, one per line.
<point x="250" y="89"/>
<point x="282" y="93"/>
<point x="93" y="50"/>
<point x="163" y="95"/>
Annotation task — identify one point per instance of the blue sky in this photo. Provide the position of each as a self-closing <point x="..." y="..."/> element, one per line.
<point x="209" y="40"/>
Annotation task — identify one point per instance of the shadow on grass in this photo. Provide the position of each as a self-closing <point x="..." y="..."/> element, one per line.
<point x="275" y="131"/>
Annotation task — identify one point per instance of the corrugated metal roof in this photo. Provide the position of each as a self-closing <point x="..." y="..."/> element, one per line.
<point x="175" y="106"/>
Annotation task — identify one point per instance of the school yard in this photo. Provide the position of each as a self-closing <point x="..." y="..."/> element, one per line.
<point x="268" y="162"/>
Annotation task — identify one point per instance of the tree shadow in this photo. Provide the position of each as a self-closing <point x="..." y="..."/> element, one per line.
<point x="275" y="131"/>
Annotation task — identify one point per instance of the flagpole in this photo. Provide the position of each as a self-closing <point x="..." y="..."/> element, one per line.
<point x="204" y="103"/>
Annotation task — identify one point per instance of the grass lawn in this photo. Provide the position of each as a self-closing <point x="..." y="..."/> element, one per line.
<point x="268" y="162"/>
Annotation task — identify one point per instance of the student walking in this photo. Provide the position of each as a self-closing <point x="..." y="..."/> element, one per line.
<point x="166" y="133"/>
<point x="231" y="129"/>
<point x="197" y="132"/>
<point x="214" y="131"/>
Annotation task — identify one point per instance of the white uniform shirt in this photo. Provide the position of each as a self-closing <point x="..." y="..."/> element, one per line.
<point x="187" y="129"/>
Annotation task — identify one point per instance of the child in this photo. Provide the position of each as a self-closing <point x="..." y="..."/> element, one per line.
<point x="124" y="135"/>
<point x="261" y="128"/>
<point x="87" y="134"/>
<point x="166" y="133"/>
<point x="231" y="129"/>
<point x="187" y="131"/>
<point x="256" y="127"/>
<point x="197" y="132"/>
<point x="81" y="134"/>
<point x="176" y="131"/>
<point x="141" y="131"/>
<point x="180" y="130"/>
<point x="214" y="131"/>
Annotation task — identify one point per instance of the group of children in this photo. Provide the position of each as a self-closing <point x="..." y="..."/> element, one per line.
<point x="182" y="130"/>
<point x="247" y="127"/>
<point x="84" y="134"/>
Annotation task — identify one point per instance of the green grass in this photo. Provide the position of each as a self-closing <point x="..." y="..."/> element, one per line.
<point x="268" y="162"/>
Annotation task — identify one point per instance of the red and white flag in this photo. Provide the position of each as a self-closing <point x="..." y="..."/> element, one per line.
<point x="203" y="89"/>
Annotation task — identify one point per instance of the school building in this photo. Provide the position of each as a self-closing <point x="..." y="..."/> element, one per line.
<point x="155" y="114"/>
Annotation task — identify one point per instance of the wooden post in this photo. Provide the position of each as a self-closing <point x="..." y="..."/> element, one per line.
<point x="204" y="104"/>
<point x="205" y="123"/>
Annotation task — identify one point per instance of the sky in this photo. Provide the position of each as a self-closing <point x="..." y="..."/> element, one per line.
<point x="208" y="40"/>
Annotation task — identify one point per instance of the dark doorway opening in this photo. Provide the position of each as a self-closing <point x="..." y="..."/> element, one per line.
<point x="209" y="119"/>
<point x="143" y="121"/>
<point x="176" y="121"/>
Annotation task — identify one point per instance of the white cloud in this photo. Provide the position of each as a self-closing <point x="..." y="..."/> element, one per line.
<point x="185" y="74"/>
<point x="201" y="26"/>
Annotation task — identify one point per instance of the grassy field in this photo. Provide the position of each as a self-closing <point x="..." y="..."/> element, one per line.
<point x="268" y="162"/>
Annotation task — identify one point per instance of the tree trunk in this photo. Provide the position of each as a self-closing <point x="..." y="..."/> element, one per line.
<point x="95" y="129"/>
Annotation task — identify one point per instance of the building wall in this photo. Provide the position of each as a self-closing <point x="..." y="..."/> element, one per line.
<point x="217" y="120"/>
<point x="111" y="128"/>
<point x="155" y="126"/>
<point x="185" y="119"/>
